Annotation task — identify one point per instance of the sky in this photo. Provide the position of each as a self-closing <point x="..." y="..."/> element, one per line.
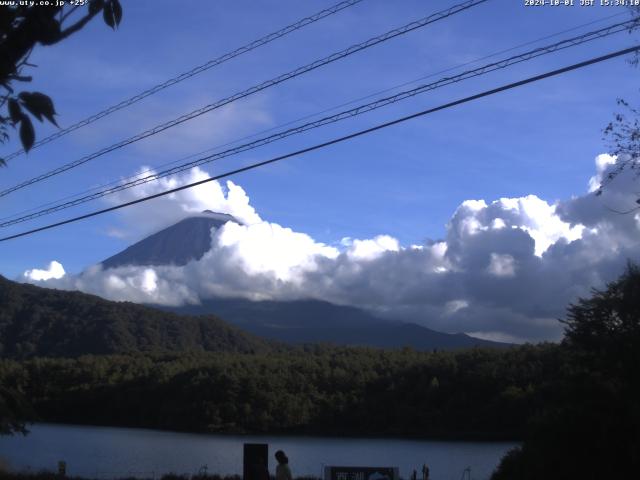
<point x="478" y="218"/>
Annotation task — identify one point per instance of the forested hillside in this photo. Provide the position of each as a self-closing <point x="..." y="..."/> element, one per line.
<point x="311" y="321"/>
<point x="589" y="426"/>
<point x="38" y="321"/>
<point x="467" y="394"/>
<point x="568" y="400"/>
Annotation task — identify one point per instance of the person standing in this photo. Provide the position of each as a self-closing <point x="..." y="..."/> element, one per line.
<point x="283" y="472"/>
<point x="425" y="472"/>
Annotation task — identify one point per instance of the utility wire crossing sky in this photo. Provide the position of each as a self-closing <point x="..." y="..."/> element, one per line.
<point x="476" y="220"/>
<point x="150" y="174"/>
<point x="140" y="180"/>
<point x="194" y="71"/>
<point x="338" y="140"/>
<point x="423" y="22"/>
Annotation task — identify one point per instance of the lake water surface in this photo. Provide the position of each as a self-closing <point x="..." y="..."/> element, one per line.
<point x="105" y="452"/>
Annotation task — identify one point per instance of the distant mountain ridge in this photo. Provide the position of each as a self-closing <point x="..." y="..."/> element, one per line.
<point x="313" y="321"/>
<point x="297" y="322"/>
<point x="178" y="244"/>
<point x="37" y="321"/>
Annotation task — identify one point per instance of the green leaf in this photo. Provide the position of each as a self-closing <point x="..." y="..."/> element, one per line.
<point x="48" y="31"/>
<point x="117" y="11"/>
<point x="39" y="105"/>
<point x="6" y="85"/>
<point x="109" y="15"/>
<point x="27" y="134"/>
<point x="95" y="6"/>
<point x="15" y="112"/>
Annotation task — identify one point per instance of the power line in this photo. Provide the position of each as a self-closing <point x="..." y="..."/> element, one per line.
<point x="269" y="83"/>
<point x="312" y="115"/>
<point x="194" y="71"/>
<point x="337" y="140"/>
<point x="491" y="67"/>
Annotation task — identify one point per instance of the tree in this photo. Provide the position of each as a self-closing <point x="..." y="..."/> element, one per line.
<point x="623" y="132"/>
<point x="607" y="325"/>
<point x="14" y="408"/>
<point x="590" y="425"/>
<point x="22" y="28"/>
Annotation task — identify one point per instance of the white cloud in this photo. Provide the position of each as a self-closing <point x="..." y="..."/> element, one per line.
<point x="506" y="269"/>
<point x="268" y="248"/>
<point x="370" y="249"/>
<point x="497" y="337"/>
<point x="148" y="217"/>
<point x="603" y="162"/>
<point x="502" y="265"/>
<point x="55" y="270"/>
<point x="530" y="214"/>
<point x="454" y="306"/>
<point x="116" y="233"/>
<point x="214" y="131"/>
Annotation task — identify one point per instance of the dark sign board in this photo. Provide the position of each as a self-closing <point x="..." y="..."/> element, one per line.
<point x="360" y="473"/>
<point x="255" y="466"/>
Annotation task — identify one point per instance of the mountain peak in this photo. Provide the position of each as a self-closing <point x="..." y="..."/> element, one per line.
<point x="220" y="216"/>
<point x="178" y="244"/>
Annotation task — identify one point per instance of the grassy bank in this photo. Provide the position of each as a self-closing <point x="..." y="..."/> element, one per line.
<point x="49" y="475"/>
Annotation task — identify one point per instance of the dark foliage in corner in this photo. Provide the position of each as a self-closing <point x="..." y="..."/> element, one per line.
<point x="590" y="425"/>
<point x="14" y="408"/>
<point x="623" y="132"/>
<point x="22" y="28"/>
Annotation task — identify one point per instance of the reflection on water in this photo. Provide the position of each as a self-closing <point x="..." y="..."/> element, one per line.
<point x="106" y="452"/>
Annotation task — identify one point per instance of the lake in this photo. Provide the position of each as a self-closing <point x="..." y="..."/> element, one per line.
<point x="106" y="452"/>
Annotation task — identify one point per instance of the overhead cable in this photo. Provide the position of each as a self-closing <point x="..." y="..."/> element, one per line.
<point x="191" y="73"/>
<point x="334" y="141"/>
<point x="368" y="107"/>
<point x="308" y="116"/>
<point x="269" y="83"/>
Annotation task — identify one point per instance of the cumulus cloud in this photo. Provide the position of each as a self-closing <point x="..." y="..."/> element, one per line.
<point x="454" y="306"/>
<point x="502" y="265"/>
<point x="530" y="214"/>
<point x="505" y="269"/>
<point x="148" y="217"/>
<point x="55" y="270"/>
<point x="374" y="248"/>
<point x="604" y="162"/>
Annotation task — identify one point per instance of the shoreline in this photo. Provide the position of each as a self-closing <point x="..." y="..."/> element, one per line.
<point x="469" y="437"/>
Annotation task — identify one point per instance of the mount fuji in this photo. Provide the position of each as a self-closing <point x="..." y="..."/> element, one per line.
<point x="178" y="244"/>
<point x="294" y="322"/>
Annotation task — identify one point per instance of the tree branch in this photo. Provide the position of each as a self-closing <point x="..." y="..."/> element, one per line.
<point x="70" y="12"/>
<point x="77" y="26"/>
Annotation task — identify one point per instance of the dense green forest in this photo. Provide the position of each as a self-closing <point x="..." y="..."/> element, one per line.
<point x="589" y="423"/>
<point x="38" y="321"/>
<point x="575" y="404"/>
<point x="474" y="393"/>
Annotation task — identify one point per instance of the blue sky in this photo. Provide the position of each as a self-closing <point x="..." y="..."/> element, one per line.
<point x="406" y="181"/>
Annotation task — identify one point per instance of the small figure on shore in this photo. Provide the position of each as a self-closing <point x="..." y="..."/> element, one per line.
<point x="283" y="472"/>
<point x="425" y="472"/>
<point x="414" y="475"/>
